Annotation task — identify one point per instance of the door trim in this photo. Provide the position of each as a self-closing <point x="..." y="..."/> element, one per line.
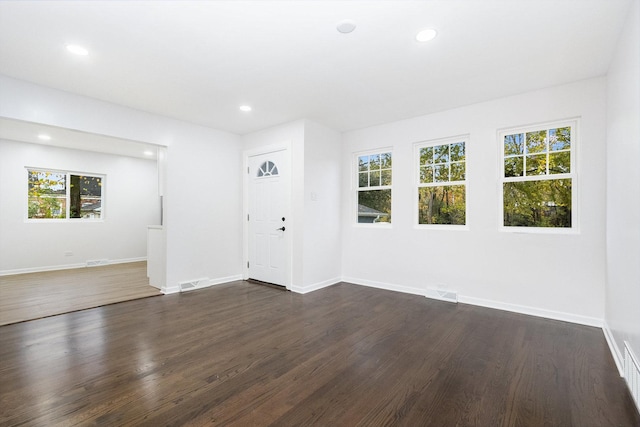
<point x="286" y="147"/>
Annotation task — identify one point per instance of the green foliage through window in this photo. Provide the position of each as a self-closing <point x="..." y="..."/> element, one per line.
<point x="546" y="152"/>
<point x="442" y="205"/>
<point x="537" y="178"/>
<point x="441" y="184"/>
<point x="543" y="203"/>
<point x="61" y="195"/>
<point x="47" y="194"/>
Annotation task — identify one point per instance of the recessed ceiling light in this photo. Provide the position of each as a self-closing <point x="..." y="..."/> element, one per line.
<point x="426" y="35"/>
<point x="346" y="26"/>
<point x="77" y="50"/>
<point x="148" y="153"/>
<point x="245" y="108"/>
<point x="44" y="137"/>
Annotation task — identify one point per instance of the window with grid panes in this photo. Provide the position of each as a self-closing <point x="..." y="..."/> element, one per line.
<point x="538" y="176"/>
<point x="442" y="182"/>
<point x="374" y="188"/>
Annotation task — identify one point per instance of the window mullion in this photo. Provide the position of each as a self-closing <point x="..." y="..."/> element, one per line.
<point x="548" y="151"/>
<point x="524" y="155"/>
<point x="68" y="195"/>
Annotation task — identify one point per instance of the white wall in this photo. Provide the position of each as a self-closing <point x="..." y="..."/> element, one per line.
<point x="130" y="198"/>
<point x="203" y="199"/>
<point x="204" y="207"/>
<point x="559" y="276"/>
<point x="623" y="187"/>
<point x="322" y="206"/>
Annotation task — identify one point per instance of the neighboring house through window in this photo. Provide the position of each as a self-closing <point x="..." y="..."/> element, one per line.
<point x="374" y="187"/>
<point x="56" y="194"/>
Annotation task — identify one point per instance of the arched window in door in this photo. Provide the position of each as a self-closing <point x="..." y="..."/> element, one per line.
<point x="268" y="168"/>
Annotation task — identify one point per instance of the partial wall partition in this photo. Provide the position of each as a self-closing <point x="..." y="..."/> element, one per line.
<point x="156" y="257"/>
<point x="202" y="200"/>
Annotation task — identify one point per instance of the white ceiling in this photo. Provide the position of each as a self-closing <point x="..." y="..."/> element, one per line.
<point x="198" y="61"/>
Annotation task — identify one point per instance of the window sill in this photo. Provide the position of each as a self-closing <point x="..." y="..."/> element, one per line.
<point x="381" y="225"/>
<point x="539" y="230"/>
<point x="62" y="220"/>
<point x="441" y="227"/>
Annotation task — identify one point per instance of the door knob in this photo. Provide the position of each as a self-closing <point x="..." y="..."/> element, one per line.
<point x="281" y="228"/>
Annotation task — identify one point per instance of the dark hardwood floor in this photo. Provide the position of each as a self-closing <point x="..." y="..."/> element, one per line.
<point x="244" y="354"/>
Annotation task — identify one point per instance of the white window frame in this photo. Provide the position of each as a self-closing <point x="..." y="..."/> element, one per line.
<point x="356" y="189"/>
<point x="68" y="174"/>
<point x="574" y="123"/>
<point x="417" y="184"/>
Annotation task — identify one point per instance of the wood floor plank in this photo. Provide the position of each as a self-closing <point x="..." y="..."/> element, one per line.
<point x="242" y="354"/>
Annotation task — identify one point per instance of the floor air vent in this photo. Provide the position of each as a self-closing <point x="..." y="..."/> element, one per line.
<point x="97" y="262"/>
<point x="632" y="373"/>
<point x="448" y="295"/>
<point x="442" y="294"/>
<point x="191" y="285"/>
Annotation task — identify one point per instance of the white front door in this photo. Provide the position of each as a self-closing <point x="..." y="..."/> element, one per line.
<point x="268" y="208"/>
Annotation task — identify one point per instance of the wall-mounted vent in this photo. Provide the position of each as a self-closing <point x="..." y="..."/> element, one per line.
<point x="632" y="373"/>
<point x="192" y="284"/>
<point x="441" y="293"/>
<point x="97" y="262"/>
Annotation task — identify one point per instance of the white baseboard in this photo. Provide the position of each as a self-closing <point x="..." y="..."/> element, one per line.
<point x="41" y="269"/>
<point x="167" y="290"/>
<point x="223" y="280"/>
<point x="202" y="283"/>
<point x="531" y="311"/>
<point x="383" y="285"/>
<point x="127" y="260"/>
<point x="313" y="287"/>
<point x="613" y="348"/>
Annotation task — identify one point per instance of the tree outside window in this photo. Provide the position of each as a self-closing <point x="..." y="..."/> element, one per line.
<point x="442" y="182"/>
<point x="538" y="177"/>
<point x="62" y="195"/>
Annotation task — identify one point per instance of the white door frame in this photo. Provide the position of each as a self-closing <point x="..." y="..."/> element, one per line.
<point x="288" y="241"/>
